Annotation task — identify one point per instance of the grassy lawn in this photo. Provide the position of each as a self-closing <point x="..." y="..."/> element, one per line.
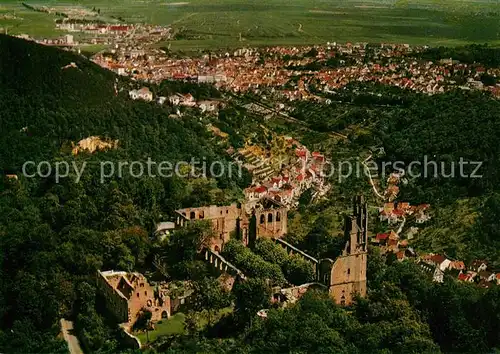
<point x="175" y="325"/>
<point x="203" y="24"/>
<point x="92" y="48"/>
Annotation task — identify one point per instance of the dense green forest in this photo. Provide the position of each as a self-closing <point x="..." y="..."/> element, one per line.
<point x="54" y="236"/>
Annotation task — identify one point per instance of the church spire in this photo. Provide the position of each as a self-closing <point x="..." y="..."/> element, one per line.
<point x="356" y="227"/>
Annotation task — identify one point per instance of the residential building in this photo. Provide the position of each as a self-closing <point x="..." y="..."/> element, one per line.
<point x="142" y="94"/>
<point x="477" y="266"/>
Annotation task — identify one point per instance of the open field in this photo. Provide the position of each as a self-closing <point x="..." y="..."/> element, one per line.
<point x="202" y="24"/>
<point x="176" y="325"/>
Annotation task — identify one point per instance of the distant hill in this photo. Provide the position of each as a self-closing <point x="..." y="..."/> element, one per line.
<point x="49" y="98"/>
<point x="33" y="70"/>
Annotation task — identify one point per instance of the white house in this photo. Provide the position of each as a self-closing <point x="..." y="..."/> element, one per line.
<point x="438" y="275"/>
<point x="208" y="106"/>
<point x="187" y="100"/>
<point x="175" y="99"/>
<point x="142" y="94"/>
<point x="478" y="266"/>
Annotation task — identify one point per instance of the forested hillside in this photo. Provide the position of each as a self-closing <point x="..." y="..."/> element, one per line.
<point x="56" y="235"/>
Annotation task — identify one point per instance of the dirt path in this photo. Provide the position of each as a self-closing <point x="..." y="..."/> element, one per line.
<point x="371" y="179"/>
<point x="70" y="338"/>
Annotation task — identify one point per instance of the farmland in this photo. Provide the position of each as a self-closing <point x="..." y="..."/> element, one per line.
<point x="202" y="24"/>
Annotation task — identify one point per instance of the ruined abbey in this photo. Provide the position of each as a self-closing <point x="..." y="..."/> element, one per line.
<point x="346" y="275"/>
<point x="343" y="277"/>
<point x="265" y="218"/>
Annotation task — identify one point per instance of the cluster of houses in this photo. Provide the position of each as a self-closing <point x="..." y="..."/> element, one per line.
<point x="395" y="212"/>
<point x="277" y="69"/>
<point x="436" y="264"/>
<point x="390" y="243"/>
<point x="118" y="36"/>
<point x="476" y="272"/>
<point x="287" y="178"/>
<point x="187" y="100"/>
<point x="177" y="100"/>
<point x="92" y="29"/>
<point x="392" y="190"/>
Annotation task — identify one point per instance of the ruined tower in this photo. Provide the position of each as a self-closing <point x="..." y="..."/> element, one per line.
<point x="348" y="274"/>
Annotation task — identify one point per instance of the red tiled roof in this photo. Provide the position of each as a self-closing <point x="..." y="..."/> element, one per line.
<point x="457" y="265"/>
<point x="118" y="28"/>
<point x="300" y="153"/>
<point x="260" y="189"/>
<point x="392" y="242"/>
<point x="403" y="205"/>
<point x="463" y="277"/>
<point x="382" y="236"/>
<point x="393" y="189"/>
<point x="437" y="258"/>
